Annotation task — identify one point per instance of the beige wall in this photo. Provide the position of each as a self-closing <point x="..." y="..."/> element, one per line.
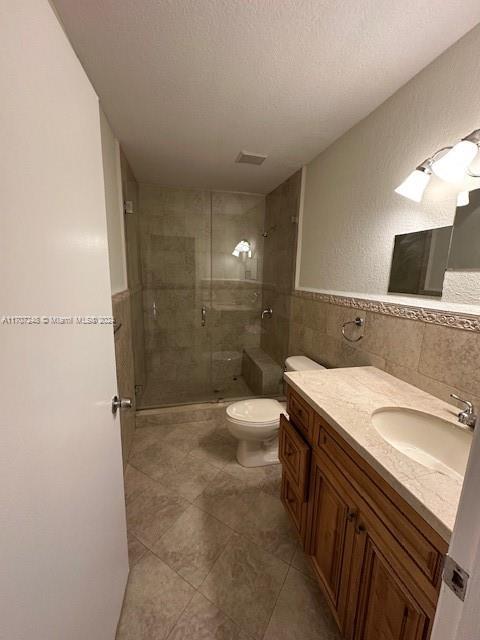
<point x="134" y="274"/>
<point x="114" y="206"/>
<point x="351" y="213"/>
<point x="438" y="359"/>
<point x="282" y="206"/>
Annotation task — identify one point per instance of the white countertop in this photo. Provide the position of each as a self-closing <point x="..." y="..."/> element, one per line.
<point x="346" y="398"/>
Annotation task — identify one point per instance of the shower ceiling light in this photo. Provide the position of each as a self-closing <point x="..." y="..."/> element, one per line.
<point x="243" y="246"/>
<point x="452" y="166"/>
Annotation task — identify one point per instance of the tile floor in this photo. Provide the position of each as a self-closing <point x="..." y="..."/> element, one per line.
<point x="158" y="393"/>
<point x="212" y="552"/>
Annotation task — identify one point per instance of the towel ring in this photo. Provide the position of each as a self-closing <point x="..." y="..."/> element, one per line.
<point x="358" y="322"/>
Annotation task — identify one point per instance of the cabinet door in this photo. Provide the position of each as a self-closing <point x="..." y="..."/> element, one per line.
<point x="294" y="454"/>
<point x="385" y="609"/>
<point x="295" y="506"/>
<point x="332" y="528"/>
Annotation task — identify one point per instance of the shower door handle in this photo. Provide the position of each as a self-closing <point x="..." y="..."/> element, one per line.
<point x="204" y="315"/>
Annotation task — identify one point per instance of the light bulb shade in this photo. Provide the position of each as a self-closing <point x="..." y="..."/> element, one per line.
<point x="453" y="165"/>
<point x="242" y="247"/>
<point x="463" y="199"/>
<point x="414" y="185"/>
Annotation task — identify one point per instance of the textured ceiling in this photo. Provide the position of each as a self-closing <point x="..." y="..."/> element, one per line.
<point x="187" y="84"/>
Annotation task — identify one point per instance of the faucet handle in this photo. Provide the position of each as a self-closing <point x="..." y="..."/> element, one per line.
<point x="467" y="403"/>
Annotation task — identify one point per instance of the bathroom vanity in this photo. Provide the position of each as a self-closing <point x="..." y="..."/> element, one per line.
<point x="374" y="522"/>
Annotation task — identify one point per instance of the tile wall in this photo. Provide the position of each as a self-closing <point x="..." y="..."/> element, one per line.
<point x="236" y="285"/>
<point x="438" y="359"/>
<point x="187" y="237"/>
<point x="281" y="213"/>
<point x="179" y="257"/>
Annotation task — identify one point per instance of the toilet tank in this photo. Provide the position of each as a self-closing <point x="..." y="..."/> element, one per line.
<point x="301" y="363"/>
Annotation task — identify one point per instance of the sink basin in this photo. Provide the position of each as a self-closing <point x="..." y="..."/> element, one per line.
<point x="435" y="443"/>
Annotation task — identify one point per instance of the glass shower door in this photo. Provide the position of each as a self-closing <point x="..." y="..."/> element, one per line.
<point x="236" y="287"/>
<point x="202" y="261"/>
<point x="176" y="260"/>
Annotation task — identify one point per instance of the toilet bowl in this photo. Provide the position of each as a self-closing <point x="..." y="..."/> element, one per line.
<point x="255" y="422"/>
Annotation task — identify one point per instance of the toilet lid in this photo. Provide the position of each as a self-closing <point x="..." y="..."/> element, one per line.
<point x="261" y="411"/>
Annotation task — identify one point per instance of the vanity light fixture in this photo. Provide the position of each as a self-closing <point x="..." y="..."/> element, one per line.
<point x="463" y="199"/>
<point x="415" y="184"/>
<point x="450" y="164"/>
<point x="453" y="166"/>
<point x="243" y="246"/>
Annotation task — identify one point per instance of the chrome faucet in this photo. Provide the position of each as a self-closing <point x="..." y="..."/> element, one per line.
<point x="267" y="312"/>
<point x="468" y="416"/>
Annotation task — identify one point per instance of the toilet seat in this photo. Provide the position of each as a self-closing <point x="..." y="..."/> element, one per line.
<point x="260" y="412"/>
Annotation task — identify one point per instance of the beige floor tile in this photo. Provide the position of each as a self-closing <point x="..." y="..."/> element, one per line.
<point x="193" y="544"/>
<point x="147" y="436"/>
<point x="227" y="498"/>
<point x="266" y="478"/>
<point x="156" y="597"/>
<point x="162" y="392"/>
<point x="245" y="582"/>
<point x="186" y="437"/>
<point x="302" y="562"/>
<point x="135" y="549"/>
<point x="156" y="460"/>
<point x="301" y="612"/>
<point x="202" y="620"/>
<point x="135" y="482"/>
<point x="152" y="512"/>
<point x="267" y="524"/>
<point x="215" y="450"/>
<point x="189" y="477"/>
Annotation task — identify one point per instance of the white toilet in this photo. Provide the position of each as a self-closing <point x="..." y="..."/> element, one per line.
<point x="255" y="423"/>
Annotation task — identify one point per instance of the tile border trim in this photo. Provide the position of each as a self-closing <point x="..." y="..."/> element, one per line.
<point x="465" y="321"/>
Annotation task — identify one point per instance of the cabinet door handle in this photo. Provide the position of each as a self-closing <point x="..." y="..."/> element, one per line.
<point x="360" y="528"/>
<point x="352" y="515"/>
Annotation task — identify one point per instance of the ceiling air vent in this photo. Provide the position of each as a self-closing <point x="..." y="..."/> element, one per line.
<point x="250" y="158"/>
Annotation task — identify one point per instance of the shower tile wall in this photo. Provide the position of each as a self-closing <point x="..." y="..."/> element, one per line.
<point x="282" y="209"/>
<point x="175" y="247"/>
<point x="236" y="282"/>
<point x="187" y="238"/>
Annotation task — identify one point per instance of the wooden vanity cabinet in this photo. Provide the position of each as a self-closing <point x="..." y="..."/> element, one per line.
<point x="377" y="561"/>
<point x="385" y="608"/>
<point x="331" y="516"/>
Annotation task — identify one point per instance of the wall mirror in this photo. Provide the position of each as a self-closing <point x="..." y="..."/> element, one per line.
<point x="465" y="245"/>
<point x="419" y="262"/>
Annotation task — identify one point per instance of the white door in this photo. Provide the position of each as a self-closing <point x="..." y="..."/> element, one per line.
<point x="63" y="558"/>
<point x="456" y="619"/>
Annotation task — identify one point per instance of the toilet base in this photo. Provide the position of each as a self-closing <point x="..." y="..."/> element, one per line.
<point x="252" y="453"/>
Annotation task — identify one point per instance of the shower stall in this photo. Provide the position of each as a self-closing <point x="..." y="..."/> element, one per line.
<point x="200" y="257"/>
